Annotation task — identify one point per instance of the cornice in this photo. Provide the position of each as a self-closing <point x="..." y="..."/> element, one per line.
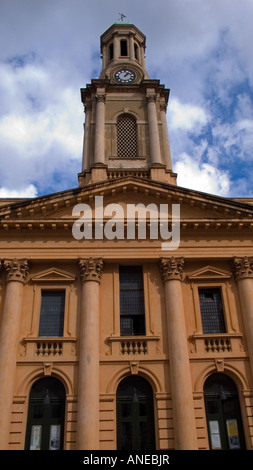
<point x="42" y="212"/>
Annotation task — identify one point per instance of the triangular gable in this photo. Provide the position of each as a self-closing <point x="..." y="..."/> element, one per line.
<point x="193" y="204"/>
<point x="209" y="272"/>
<point x="53" y="274"/>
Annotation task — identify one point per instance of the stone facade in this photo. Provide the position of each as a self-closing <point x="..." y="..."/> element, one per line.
<point x="91" y="357"/>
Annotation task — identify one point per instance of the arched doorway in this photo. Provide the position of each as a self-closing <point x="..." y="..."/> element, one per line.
<point x="46" y="412"/>
<point x="223" y="413"/>
<point x="135" y="415"/>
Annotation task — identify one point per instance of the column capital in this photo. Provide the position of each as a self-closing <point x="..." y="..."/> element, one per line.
<point x="17" y="269"/>
<point x="151" y="98"/>
<point x="171" y="268"/>
<point x="242" y="267"/>
<point x="163" y="107"/>
<point x="87" y="107"/>
<point x="101" y="98"/>
<point x="91" y="269"/>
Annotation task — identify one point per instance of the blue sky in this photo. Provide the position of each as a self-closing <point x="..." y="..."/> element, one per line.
<point x="200" y="49"/>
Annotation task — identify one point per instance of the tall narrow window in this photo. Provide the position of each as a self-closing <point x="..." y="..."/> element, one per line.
<point x="111" y="51"/>
<point x="52" y="313"/>
<point x="132" y="313"/>
<point x="127" y="136"/>
<point x="211" y="309"/>
<point x="136" y="52"/>
<point x="123" y="47"/>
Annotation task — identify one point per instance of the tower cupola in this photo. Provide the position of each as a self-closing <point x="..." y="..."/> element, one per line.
<point x="123" y="44"/>
<point x="125" y="130"/>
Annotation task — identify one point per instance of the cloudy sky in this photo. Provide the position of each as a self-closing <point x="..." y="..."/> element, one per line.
<point x="200" y="49"/>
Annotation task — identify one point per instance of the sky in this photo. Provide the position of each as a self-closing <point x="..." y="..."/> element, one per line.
<point x="200" y="49"/>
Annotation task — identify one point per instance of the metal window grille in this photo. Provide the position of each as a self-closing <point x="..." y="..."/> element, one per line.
<point x="127" y="137"/>
<point x="52" y="313"/>
<point x="132" y="313"/>
<point x="211" y="308"/>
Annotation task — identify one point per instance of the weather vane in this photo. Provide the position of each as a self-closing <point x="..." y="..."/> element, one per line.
<point x="121" y="17"/>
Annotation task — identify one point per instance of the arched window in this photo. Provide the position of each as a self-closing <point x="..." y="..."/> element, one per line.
<point x="135" y="415"/>
<point x="223" y="414"/>
<point x="45" y="420"/>
<point x="127" y="136"/>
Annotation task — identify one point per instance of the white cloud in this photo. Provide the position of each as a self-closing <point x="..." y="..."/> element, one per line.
<point x="201" y="50"/>
<point x="201" y="176"/>
<point x="186" y="116"/>
<point x="28" y="192"/>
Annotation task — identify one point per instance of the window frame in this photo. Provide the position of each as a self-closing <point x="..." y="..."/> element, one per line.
<point x="219" y="318"/>
<point x="226" y="305"/>
<point x="135" y="137"/>
<point x="134" y="316"/>
<point x="68" y="326"/>
<point x="64" y="312"/>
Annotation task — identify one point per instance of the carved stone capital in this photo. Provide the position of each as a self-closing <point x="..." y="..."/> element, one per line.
<point x="151" y="98"/>
<point x="163" y="107"/>
<point x="17" y="269"/>
<point x="87" y="107"/>
<point x="171" y="268"/>
<point x="242" y="267"/>
<point x="101" y="98"/>
<point x="91" y="269"/>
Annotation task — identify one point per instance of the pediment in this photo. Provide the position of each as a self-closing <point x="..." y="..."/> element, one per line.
<point x="209" y="272"/>
<point x="195" y="207"/>
<point x="53" y="274"/>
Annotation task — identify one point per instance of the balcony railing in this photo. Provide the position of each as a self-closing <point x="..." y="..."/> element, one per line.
<point x="44" y="348"/>
<point x="216" y="344"/>
<point x="128" y="346"/>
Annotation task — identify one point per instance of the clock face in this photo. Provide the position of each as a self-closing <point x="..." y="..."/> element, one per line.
<point x="124" y="76"/>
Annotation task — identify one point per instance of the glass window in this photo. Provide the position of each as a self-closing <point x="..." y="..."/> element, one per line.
<point x="52" y="313"/>
<point x="132" y="313"/>
<point x="211" y="309"/>
<point x="127" y="137"/>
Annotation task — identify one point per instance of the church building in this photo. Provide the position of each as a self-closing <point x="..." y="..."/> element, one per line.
<point x="126" y="303"/>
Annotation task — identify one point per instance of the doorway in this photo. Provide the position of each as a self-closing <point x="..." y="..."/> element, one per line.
<point x="135" y="415"/>
<point x="46" y="413"/>
<point x="225" y="429"/>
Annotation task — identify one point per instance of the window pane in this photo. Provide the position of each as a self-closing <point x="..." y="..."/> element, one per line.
<point x="52" y="313"/>
<point x="211" y="311"/>
<point x="132" y="311"/>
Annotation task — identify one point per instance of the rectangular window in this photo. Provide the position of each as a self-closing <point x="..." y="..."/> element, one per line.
<point x="132" y="313"/>
<point x="52" y="313"/>
<point x="123" y="47"/>
<point x="211" y="309"/>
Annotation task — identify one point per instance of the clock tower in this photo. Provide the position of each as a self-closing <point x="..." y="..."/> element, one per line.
<point x="125" y="131"/>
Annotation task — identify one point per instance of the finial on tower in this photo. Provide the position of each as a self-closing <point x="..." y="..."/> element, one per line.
<point x="121" y="18"/>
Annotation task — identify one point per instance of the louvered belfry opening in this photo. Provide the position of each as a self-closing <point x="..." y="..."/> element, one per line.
<point x="127" y="146"/>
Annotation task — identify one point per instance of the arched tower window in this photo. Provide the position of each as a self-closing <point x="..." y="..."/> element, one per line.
<point x="127" y="136"/>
